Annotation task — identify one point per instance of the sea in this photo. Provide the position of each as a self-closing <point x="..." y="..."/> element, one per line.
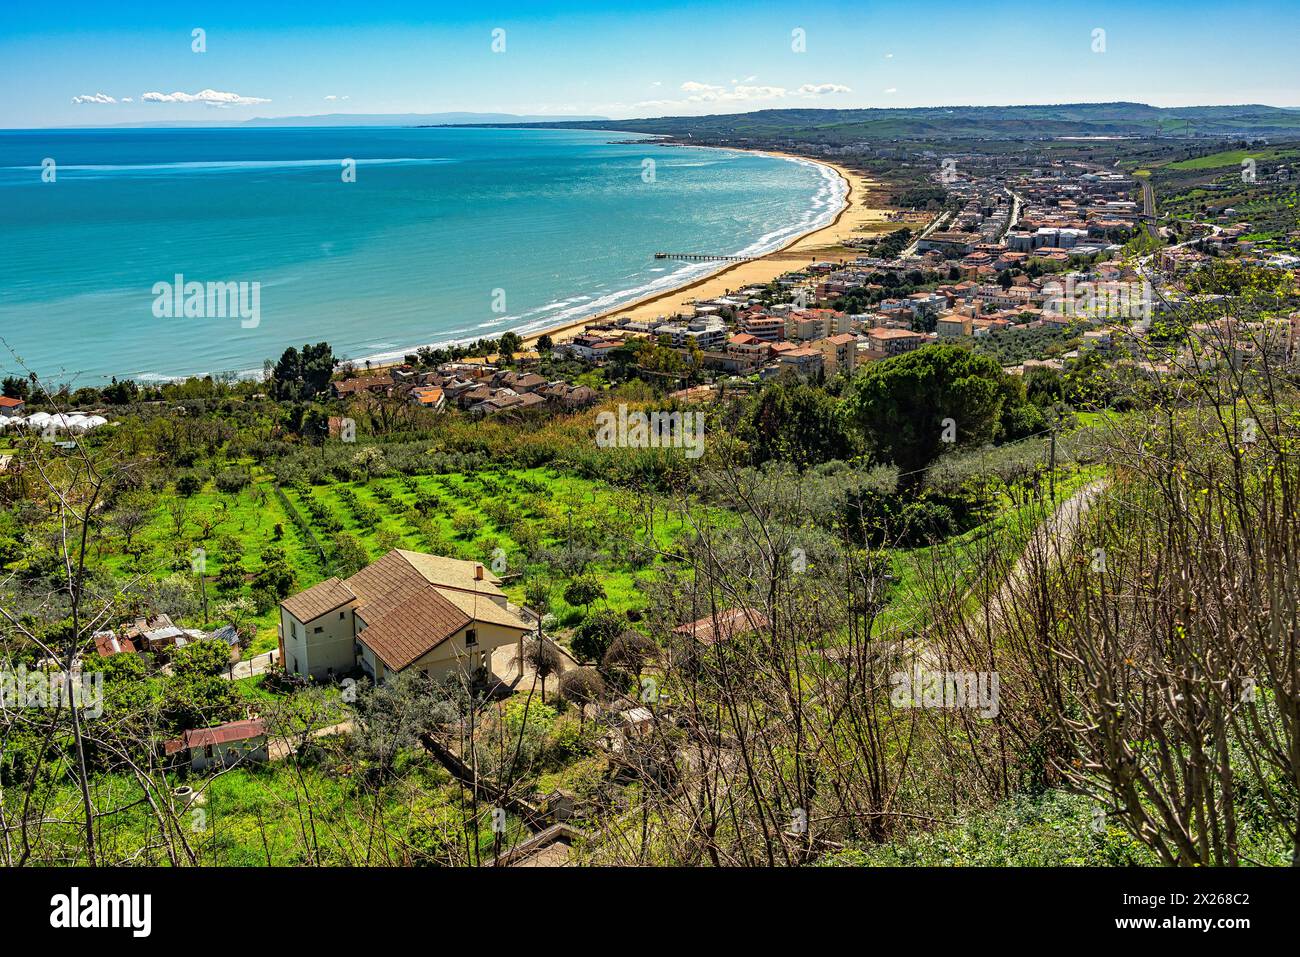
<point x="155" y="254"/>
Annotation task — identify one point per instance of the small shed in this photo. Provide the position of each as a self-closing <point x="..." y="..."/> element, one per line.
<point x="235" y="742"/>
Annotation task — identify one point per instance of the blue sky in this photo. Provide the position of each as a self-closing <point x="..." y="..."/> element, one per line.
<point x="639" y="59"/>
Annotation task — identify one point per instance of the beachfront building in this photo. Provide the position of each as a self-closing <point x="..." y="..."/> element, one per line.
<point x="760" y="326"/>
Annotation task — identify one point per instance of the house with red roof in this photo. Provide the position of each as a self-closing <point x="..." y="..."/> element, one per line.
<point x="226" y="745"/>
<point x="407" y="610"/>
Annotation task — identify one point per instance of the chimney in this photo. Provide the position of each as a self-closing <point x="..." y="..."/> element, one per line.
<point x="478" y="572"/>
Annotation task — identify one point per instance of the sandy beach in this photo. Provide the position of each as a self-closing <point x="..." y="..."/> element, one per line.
<point x="856" y="219"/>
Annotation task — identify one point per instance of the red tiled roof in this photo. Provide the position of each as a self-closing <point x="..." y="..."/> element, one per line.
<point x="107" y="644"/>
<point x="724" y="625"/>
<point x="318" y="599"/>
<point x="8" y="403"/>
<point x="221" y="734"/>
<point x="405" y="616"/>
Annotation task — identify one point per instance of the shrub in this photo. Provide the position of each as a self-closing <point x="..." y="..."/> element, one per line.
<point x="232" y="480"/>
<point x="597" y="632"/>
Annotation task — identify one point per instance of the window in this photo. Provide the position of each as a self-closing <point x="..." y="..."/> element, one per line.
<point x="471" y="638"/>
<point x="317" y="630"/>
<point x="341" y="616"/>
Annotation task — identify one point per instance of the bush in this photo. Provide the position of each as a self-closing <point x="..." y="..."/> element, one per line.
<point x="231" y="481"/>
<point x="597" y="633"/>
<point x="583" y="590"/>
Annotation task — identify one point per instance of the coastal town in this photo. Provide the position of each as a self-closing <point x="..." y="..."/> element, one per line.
<point x="463" y="608"/>
<point x="1038" y="254"/>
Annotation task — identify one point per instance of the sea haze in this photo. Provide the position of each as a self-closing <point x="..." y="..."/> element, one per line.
<point x="413" y="252"/>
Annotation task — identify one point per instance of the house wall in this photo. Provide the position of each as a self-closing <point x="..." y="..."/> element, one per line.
<point x="371" y="664"/>
<point x="229" y="754"/>
<point x="453" y="656"/>
<point x="311" y="653"/>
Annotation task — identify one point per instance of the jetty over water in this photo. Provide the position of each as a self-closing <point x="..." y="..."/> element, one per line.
<point x="705" y="257"/>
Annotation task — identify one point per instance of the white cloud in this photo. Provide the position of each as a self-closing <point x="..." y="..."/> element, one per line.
<point x="889" y="56"/>
<point x="95" y="98"/>
<point x="127" y="99"/>
<point x="892" y="89"/>
<point x="710" y="93"/>
<point x="821" y="89"/>
<point x="697" y="92"/>
<point x="210" y="97"/>
<point x="332" y="97"/>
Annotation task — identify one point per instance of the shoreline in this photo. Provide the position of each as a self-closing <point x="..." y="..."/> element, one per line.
<point x="762" y="269"/>
<point x="759" y="270"/>
<point x="827" y="237"/>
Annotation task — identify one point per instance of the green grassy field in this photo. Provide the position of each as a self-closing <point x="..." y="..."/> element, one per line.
<point x="517" y="522"/>
<point x="1233" y="158"/>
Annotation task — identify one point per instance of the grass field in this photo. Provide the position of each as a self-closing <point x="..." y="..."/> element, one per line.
<point x="519" y="522"/>
<point x="1233" y="158"/>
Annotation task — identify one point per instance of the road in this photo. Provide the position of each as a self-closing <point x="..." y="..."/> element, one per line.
<point x="1149" y="208"/>
<point x="1049" y="544"/>
<point x="934" y="224"/>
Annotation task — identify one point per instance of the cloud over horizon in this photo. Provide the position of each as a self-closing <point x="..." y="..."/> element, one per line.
<point x="697" y="92"/>
<point x="209" y="97"/>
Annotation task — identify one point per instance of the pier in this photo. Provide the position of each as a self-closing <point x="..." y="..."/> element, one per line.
<point x="705" y="257"/>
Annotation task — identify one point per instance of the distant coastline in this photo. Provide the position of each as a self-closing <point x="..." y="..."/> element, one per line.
<point x="764" y="267"/>
<point x="806" y="210"/>
<point x="852" y="214"/>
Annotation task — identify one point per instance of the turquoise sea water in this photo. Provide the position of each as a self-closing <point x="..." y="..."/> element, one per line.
<point x="445" y="235"/>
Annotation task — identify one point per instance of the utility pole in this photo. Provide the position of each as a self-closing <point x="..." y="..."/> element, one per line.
<point x="1051" y="469"/>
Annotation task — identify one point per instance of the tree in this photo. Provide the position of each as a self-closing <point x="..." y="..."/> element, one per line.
<point x="371" y="461"/>
<point x="508" y="345"/>
<point x="628" y="654"/>
<point x="350" y="555"/>
<point x="276" y="575"/>
<point x="230" y="579"/>
<point x="914" y="406"/>
<point x="544" y="344"/>
<point x="16" y="387"/>
<point x="581" y="687"/>
<point x="203" y="658"/>
<point x="543" y="658"/>
<point x="537" y="594"/>
<point x="597" y="633"/>
<point x="236" y="611"/>
<point x="131" y="515"/>
<point x="799" y="424"/>
<point x="301" y="376"/>
<point x="583" y="590"/>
